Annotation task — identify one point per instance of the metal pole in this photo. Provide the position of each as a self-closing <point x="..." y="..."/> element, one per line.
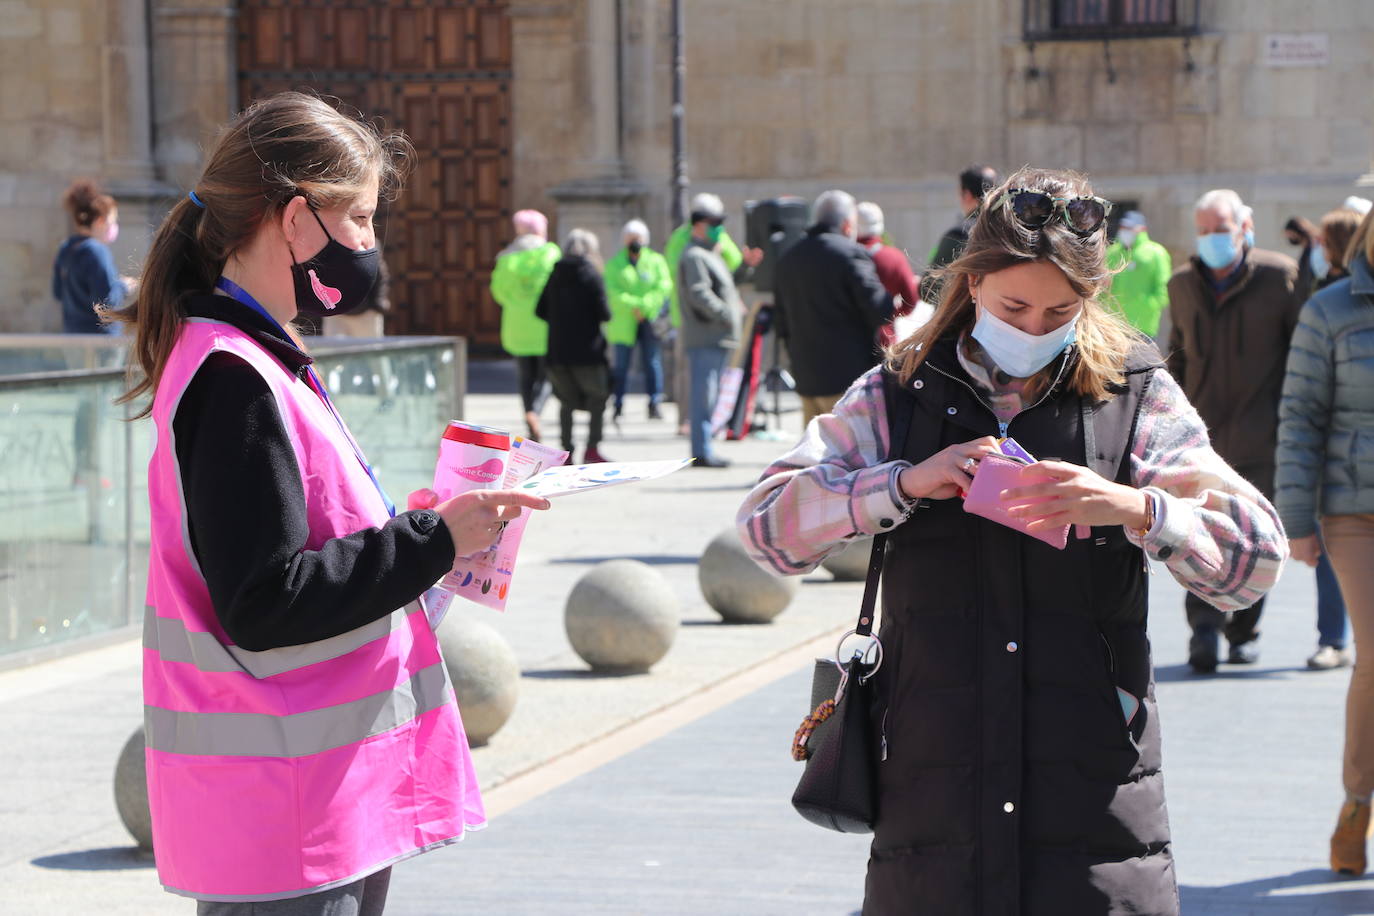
<point x="680" y="184"/>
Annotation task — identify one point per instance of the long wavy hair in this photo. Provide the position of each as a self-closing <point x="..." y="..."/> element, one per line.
<point x="286" y="145"/>
<point x="998" y="241"/>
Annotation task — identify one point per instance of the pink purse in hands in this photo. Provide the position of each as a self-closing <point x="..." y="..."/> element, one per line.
<point x="997" y="473"/>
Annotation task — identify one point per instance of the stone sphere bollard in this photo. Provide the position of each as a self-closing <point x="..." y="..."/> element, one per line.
<point x="622" y="616"/>
<point x="485" y="675"/>
<point x="131" y="791"/>
<point x="739" y="589"/>
<point x="850" y="562"/>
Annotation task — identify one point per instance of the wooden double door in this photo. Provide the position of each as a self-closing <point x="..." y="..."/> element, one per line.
<point x="440" y="71"/>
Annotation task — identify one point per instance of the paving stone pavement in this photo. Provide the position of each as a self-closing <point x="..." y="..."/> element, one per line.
<point x="698" y="821"/>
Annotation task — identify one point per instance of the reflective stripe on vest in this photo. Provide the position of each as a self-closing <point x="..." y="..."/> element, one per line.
<point x="169" y="637"/>
<point x="232" y="734"/>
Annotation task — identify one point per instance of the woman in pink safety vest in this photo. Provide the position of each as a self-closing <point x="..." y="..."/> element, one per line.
<point x="302" y="734"/>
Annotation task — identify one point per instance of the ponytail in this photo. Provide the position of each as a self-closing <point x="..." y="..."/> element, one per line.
<point x="176" y="267"/>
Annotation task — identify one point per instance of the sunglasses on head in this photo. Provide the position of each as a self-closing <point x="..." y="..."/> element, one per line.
<point x="1033" y="209"/>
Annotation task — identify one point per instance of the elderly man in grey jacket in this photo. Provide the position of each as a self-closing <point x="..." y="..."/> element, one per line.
<point x="711" y="314"/>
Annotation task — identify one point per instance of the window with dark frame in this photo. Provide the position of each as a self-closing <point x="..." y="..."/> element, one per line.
<point x="1048" y="20"/>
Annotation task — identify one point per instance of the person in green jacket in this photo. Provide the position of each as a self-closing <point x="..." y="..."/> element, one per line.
<point x="639" y="286"/>
<point x="1142" y="269"/>
<point x="522" y="269"/>
<point x="677" y="243"/>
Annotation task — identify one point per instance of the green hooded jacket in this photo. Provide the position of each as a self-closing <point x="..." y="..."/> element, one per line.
<point x="677" y="243"/>
<point x="1140" y="286"/>
<point x="645" y="286"/>
<point x="521" y="271"/>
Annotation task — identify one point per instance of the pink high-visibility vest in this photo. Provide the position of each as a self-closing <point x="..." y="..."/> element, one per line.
<point x="281" y="773"/>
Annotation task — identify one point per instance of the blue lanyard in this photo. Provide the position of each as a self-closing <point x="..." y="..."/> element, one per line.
<point x="240" y="294"/>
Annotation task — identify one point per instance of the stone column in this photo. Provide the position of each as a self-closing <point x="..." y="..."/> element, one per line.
<point x="127" y="99"/>
<point x="606" y="195"/>
<point x="602" y="56"/>
<point x="129" y="171"/>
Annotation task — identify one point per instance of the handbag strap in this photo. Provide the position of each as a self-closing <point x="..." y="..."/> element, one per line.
<point x="899" y="411"/>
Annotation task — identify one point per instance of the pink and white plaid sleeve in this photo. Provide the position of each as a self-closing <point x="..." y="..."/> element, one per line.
<point x="833" y="487"/>
<point x="1217" y="534"/>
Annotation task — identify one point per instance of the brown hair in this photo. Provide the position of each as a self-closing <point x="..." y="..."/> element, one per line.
<point x="1338" y="228"/>
<point x="1362" y="244"/>
<point x="998" y="241"/>
<point x="287" y="145"/>
<point x="85" y="202"/>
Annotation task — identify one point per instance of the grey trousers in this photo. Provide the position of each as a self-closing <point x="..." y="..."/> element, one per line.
<point x="361" y="898"/>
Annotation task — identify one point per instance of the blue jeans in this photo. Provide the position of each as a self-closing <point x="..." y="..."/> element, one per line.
<point x="705" y="365"/>
<point x="1331" y="622"/>
<point x="647" y="343"/>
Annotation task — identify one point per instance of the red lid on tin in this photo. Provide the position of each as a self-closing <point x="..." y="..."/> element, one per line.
<point x="472" y="434"/>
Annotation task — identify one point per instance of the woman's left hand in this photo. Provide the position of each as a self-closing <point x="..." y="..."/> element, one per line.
<point x="1058" y="493"/>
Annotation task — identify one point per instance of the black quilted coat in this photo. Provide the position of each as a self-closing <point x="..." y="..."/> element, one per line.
<point x="1011" y="783"/>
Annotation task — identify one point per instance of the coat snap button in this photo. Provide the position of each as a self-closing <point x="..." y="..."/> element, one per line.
<point x="1012" y="646"/>
<point x="886" y="523"/>
<point x="1166" y="552"/>
<point x="918" y="384"/>
<point x="1009" y="807"/>
<point x="951" y="410"/>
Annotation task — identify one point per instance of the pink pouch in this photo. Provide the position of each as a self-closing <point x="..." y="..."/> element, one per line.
<point x="997" y="473"/>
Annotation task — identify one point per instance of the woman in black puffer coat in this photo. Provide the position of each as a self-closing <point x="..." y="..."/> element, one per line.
<point x="1020" y="769"/>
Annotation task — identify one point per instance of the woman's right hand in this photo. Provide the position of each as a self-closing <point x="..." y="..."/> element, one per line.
<point x="945" y="474"/>
<point x="475" y="518"/>
<point x="1305" y="550"/>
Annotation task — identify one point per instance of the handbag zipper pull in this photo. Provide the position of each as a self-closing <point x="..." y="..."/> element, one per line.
<point x="883" y="736"/>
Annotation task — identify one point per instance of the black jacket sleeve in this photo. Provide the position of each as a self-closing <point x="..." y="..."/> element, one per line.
<point x="248" y="526"/>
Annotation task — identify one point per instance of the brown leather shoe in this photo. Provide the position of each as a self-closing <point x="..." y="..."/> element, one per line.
<point x="1348" y="842"/>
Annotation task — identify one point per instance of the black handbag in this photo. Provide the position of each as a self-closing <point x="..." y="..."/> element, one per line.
<point x="838" y="789"/>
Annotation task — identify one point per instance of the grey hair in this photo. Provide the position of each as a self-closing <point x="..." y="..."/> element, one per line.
<point x="833" y="209"/>
<point x="1224" y="199"/>
<point x="582" y="243"/>
<point x="870" y="219"/>
<point x="636" y="228"/>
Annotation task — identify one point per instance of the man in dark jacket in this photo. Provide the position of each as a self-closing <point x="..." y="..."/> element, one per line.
<point x="1233" y="309"/>
<point x="829" y="305"/>
<point x="974" y="182"/>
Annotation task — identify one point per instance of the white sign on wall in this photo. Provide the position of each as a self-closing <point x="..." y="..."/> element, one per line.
<point x="1297" y="49"/>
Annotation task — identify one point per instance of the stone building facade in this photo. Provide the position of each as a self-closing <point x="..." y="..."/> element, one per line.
<point x="886" y="98"/>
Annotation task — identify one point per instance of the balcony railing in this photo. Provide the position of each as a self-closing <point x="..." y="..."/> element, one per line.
<point x="1108" y="20"/>
<point x="73" y="495"/>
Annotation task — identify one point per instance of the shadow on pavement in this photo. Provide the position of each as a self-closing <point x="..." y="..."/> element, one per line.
<point x="578" y="674"/>
<point x="1318" y="895"/>
<point x="112" y="858"/>
<point x="1223" y="673"/>
<point x="652" y="560"/>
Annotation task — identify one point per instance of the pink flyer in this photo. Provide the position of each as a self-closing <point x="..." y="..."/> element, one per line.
<point x="485" y="578"/>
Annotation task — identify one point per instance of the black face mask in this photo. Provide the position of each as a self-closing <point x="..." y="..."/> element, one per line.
<point x="337" y="281"/>
<point x="635" y="247"/>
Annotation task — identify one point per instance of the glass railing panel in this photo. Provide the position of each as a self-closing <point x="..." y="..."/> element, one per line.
<point x="74" y="526"/>
<point x="66" y="512"/>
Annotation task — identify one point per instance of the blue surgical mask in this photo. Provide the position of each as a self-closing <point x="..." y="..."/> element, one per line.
<point x="1249" y="238"/>
<point x="1217" y="249"/>
<point x="1017" y="353"/>
<point x="1126" y="237"/>
<point x="1316" y="258"/>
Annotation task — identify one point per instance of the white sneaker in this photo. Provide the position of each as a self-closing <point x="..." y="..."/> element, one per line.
<point x="1328" y="657"/>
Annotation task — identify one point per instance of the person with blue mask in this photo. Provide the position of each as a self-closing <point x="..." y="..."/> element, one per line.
<point x="1233" y="308"/>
